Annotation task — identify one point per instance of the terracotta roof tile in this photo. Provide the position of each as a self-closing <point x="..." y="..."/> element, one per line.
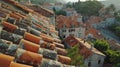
<point x="13" y="64"/>
<point x="28" y="56"/>
<point x="5" y="60"/>
<point x="15" y="16"/>
<point x="27" y="52"/>
<point x="19" y="5"/>
<point x="94" y="32"/>
<point x="41" y="10"/>
<point x="67" y="21"/>
<point x="27" y="45"/>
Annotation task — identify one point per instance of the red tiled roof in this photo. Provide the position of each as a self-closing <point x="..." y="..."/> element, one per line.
<point x="93" y="20"/>
<point x="67" y="21"/>
<point x="9" y="26"/>
<point x="41" y="10"/>
<point x="19" y="5"/>
<point x="94" y="32"/>
<point x="27" y="52"/>
<point x="84" y="48"/>
<point x="15" y="16"/>
<point x="22" y="16"/>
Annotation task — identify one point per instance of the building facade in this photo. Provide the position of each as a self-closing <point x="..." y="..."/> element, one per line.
<point x="70" y="26"/>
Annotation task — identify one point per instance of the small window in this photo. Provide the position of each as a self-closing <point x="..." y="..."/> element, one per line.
<point x="63" y="36"/>
<point x="64" y="30"/>
<point x="89" y="64"/>
<point x="99" y="61"/>
<point x="71" y="30"/>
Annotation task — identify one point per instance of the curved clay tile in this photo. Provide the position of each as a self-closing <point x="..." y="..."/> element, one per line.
<point x="47" y="38"/>
<point x="27" y="45"/>
<point x="32" y="38"/>
<point x="58" y="45"/>
<point x="57" y="40"/>
<point x="50" y="54"/>
<point x="13" y="64"/>
<point x="15" y="16"/>
<point x="9" y="26"/>
<point x="50" y="63"/>
<point x="61" y="51"/>
<point x="47" y="45"/>
<point x="29" y="57"/>
<point x="64" y="59"/>
<point x="5" y="60"/>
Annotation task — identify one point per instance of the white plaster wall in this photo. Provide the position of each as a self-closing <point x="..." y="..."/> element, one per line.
<point x="79" y="32"/>
<point x="94" y="60"/>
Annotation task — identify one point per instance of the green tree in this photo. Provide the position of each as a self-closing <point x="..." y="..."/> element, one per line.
<point x="117" y="65"/>
<point x="73" y="53"/>
<point x="69" y="4"/>
<point x="88" y="8"/>
<point x="115" y="28"/>
<point x="117" y="15"/>
<point x="60" y="12"/>
<point x="111" y="7"/>
<point x="101" y="45"/>
<point x="113" y="56"/>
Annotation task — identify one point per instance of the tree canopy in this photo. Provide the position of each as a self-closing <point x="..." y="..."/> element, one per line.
<point x="113" y="57"/>
<point x="88" y="7"/>
<point x="117" y="15"/>
<point x="115" y="28"/>
<point x="101" y="45"/>
<point x="73" y="53"/>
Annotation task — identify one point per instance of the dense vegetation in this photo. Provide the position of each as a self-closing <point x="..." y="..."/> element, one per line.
<point x="77" y="59"/>
<point x="115" y="29"/>
<point x="111" y="55"/>
<point x="42" y="1"/>
<point x="117" y="15"/>
<point x="87" y="8"/>
<point x="59" y="12"/>
<point x="101" y="45"/>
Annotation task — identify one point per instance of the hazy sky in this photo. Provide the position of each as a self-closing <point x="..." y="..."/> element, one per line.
<point x="80" y="0"/>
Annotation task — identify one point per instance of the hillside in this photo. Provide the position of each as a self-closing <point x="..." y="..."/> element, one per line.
<point x="50" y="1"/>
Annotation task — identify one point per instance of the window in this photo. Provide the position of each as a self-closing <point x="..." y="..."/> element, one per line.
<point x="99" y="61"/>
<point x="63" y="36"/>
<point x="89" y="64"/>
<point x="71" y="30"/>
<point x="64" y="30"/>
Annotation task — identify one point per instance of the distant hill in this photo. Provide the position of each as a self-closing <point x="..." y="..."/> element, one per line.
<point x="115" y="2"/>
<point x="50" y="1"/>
